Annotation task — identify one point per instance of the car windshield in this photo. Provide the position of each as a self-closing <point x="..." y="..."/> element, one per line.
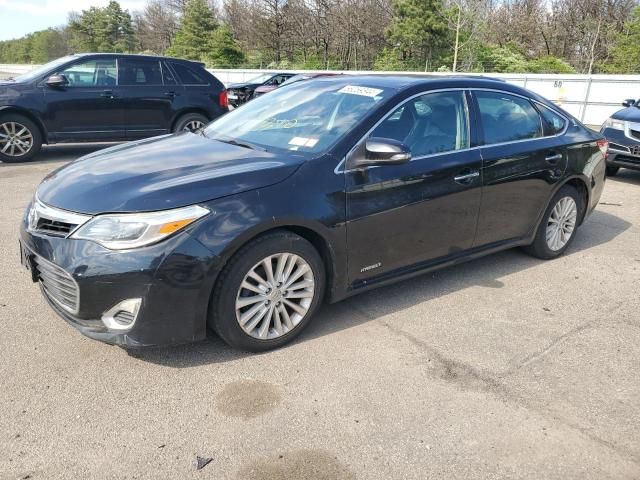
<point x="307" y="116"/>
<point x="261" y="78"/>
<point x="36" y="72"/>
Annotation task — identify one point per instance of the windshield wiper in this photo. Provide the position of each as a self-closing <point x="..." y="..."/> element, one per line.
<point x="239" y="143"/>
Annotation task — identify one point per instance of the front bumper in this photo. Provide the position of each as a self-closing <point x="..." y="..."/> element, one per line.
<point x="624" y="150"/>
<point x="173" y="278"/>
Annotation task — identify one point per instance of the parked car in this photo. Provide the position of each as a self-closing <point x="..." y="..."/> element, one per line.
<point x="240" y="93"/>
<point x="317" y="191"/>
<point x="622" y="130"/>
<point x="262" y="89"/>
<point x="104" y="97"/>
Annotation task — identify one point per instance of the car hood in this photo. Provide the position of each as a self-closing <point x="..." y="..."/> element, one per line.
<point x="239" y="86"/>
<point x="161" y="173"/>
<point x="630" y="114"/>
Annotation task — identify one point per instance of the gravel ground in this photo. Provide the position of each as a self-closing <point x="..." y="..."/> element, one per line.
<point x="505" y="367"/>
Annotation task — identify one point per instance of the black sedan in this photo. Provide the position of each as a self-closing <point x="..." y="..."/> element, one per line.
<point x="313" y="193"/>
<point x="622" y="130"/>
<point x="104" y="97"/>
<point x="239" y="93"/>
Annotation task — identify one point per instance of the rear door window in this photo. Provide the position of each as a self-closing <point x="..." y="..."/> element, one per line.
<point x="555" y="123"/>
<point x="507" y="118"/>
<point x="139" y="71"/>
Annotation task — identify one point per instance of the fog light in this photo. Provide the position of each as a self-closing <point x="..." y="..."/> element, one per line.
<point x="123" y="315"/>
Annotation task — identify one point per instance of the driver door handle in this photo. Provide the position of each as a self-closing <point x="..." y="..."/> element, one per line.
<point x="466" y="177"/>
<point x="553" y="158"/>
<point x="107" y="94"/>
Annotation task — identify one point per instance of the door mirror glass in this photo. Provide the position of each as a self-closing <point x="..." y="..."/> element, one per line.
<point x="384" y="151"/>
<point x="629" y="102"/>
<point x="59" y="80"/>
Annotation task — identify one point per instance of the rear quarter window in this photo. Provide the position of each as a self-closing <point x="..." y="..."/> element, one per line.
<point x="189" y="75"/>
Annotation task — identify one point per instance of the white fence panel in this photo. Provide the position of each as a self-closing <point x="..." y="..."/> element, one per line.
<point x="591" y="99"/>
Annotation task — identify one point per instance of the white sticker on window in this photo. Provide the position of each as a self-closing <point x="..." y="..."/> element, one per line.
<point x="364" y="91"/>
<point x="303" y="142"/>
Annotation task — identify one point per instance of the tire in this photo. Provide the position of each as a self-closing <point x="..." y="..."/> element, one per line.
<point x="20" y="138"/>
<point x="612" y="171"/>
<point x="544" y="247"/>
<point x="228" y="299"/>
<point x="191" y="122"/>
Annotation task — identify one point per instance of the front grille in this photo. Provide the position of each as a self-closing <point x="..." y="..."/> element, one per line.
<point x="635" y="133"/>
<point x="54" y="227"/>
<point x="635" y="150"/>
<point x="57" y="284"/>
<point x="53" y="221"/>
<point x="616" y="146"/>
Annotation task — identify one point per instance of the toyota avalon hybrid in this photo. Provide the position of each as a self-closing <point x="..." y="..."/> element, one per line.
<point x="313" y="193"/>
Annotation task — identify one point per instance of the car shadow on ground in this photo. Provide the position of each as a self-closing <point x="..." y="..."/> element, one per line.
<point x="625" y="175"/>
<point x="600" y="228"/>
<point x="63" y="152"/>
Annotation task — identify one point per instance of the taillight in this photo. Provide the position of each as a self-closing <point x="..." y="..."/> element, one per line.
<point x="223" y="100"/>
<point x="603" y="145"/>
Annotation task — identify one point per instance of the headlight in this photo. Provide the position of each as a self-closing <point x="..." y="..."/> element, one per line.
<point x="132" y="230"/>
<point x="613" y="124"/>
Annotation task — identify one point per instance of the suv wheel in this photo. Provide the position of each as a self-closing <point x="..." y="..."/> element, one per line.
<point x="20" y="139"/>
<point x="559" y="224"/>
<point x="190" y="122"/>
<point x="268" y="292"/>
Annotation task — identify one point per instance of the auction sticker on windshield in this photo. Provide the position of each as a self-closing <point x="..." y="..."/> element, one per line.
<point x="364" y="91"/>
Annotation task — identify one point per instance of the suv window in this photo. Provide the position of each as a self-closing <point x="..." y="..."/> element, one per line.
<point x="428" y="124"/>
<point x="507" y="118"/>
<point x="100" y="72"/>
<point x="189" y="75"/>
<point x="139" y="71"/>
<point x="555" y="122"/>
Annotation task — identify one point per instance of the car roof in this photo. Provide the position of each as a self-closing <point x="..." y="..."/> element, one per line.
<point x="137" y="55"/>
<point x="428" y="82"/>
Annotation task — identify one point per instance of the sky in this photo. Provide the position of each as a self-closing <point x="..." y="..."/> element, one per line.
<point x="19" y="17"/>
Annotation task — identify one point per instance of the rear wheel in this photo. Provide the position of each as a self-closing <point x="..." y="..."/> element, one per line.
<point x="20" y="138"/>
<point x="559" y="224"/>
<point x="268" y="292"/>
<point x="612" y="171"/>
<point x="190" y="122"/>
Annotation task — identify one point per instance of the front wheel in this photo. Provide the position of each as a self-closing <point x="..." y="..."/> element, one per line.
<point x="559" y="224"/>
<point x="20" y="138"/>
<point x="268" y="292"/>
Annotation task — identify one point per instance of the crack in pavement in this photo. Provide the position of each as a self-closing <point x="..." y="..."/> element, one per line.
<point x="466" y="377"/>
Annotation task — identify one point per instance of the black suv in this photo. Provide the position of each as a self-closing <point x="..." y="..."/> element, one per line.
<point x="104" y="97"/>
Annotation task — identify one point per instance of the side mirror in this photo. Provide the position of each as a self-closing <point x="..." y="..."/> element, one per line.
<point x="59" y="80"/>
<point x="629" y="102"/>
<point x="383" y="151"/>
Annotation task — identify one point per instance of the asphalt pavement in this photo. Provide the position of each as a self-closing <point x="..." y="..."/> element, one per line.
<point x="504" y="367"/>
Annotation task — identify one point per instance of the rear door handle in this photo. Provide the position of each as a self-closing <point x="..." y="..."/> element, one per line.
<point x="170" y="94"/>
<point x="107" y="94"/>
<point x="467" y="177"/>
<point x="553" y="158"/>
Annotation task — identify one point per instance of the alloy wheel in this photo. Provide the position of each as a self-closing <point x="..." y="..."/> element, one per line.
<point x="16" y="140"/>
<point x="561" y="223"/>
<point x="193" y="126"/>
<point x="275" y="296"/>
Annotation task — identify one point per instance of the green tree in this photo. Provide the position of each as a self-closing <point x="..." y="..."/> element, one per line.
<point x="550" y="64"/>
<point x="503" y="59"/>
<point x="48" y="45"/>
<point x="417" y="32"/>
<point x="224" y="51"/>
<point x="107" y="29"/>
<point x="625" y="54"/>
<point x="194" y="38"/>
